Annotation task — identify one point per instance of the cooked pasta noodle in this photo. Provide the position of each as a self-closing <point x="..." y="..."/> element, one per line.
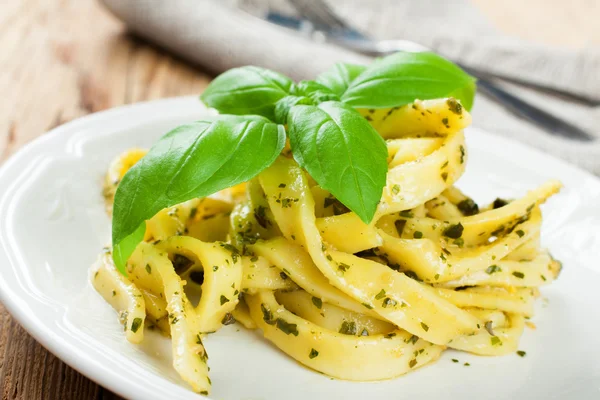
<point x="352" y="300"/>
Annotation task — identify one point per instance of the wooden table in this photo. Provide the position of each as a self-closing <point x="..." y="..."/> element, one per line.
<point x="63" y="59"/>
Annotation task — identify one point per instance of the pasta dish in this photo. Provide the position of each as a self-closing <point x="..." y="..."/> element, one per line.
<point x="355" y="300"/>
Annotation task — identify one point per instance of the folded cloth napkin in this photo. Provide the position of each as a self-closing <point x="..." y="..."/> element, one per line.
<point x="224" y="34"/>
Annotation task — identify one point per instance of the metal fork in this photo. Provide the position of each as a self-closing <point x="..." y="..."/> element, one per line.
<point x="324" y="20"/>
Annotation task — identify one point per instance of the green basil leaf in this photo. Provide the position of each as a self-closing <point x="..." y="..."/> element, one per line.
<point x="339" y="77"/>
<point x="283" y="106"/>
<point x="315" y="91"/>
<point x="194" y="160"/>
<point x="342" y="152"/>
<point x="401" y="78"/>
<point x="247" y="90"/>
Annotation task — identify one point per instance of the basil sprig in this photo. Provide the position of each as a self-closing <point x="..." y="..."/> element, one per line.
<point x="328" y="137"/>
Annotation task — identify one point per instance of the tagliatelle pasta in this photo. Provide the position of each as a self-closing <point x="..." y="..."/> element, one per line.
<point x="355" y="301"/>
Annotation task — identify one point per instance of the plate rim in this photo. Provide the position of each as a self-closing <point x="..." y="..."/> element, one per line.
<point x="81" y="361"/>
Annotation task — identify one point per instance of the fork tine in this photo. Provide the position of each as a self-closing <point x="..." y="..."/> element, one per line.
<point x="319" y="13"/>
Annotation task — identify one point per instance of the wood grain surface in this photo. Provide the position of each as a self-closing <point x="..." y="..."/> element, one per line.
<point x="60" y="59"/>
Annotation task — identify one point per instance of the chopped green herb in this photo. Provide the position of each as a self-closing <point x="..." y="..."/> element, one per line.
<point x="148" y="269"/>
<point x="370" y="307"/>
<point x="406" y="214"/>
<point x="254" y="259"/>
<point x="380" y="295"/>
<point x="462" y="154"/>
<point x="520" y="233"/>
<point x="235" y="254"/>
<point x="518" y="274"/>
<point x="467" y="364"/>
<point x="283" y="275"/>
<point x="396" y="189"/>
<point x="444" y="176"/>
<point x="390" y="335"/>
<point x="260" y="214"/>
<point x="436" y="277"/>
<point x="317" y="302"/>
<point x="313" y="354"/>
<point x="287" y="328"/>
<point x="282" y="185"/>
<point x="454" y="231"/>
<point x="387" y="302"/>
<point x="454" y="106"/>
<point x="343" y="267"/>
<point x="424" y="326"/>
<point x="543" y="277"/>
<point x="135" y="325"/>
<point x="499" y="203"/>
<point x="348" y="328"/>
<point x="495" y="340"/>
<point x="460" y="242"/>
<point x="413" y="339"/>
<point x="412" y="363"/>
<point x="454" y="360"/>
<point x="215" y="267"/>
<point x="267" y="315"/>
<point x="224" y="300"/>
<point x="114" y="292"/>
<point x="521" y="353"/>
<point x="417" y="234"/>
<point x="364" y="332"/>
<point x="468" y="207"/>
<point x="492" y="269"/>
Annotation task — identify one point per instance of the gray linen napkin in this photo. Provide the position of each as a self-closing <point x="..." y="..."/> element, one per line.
<point x="219" y="36"/>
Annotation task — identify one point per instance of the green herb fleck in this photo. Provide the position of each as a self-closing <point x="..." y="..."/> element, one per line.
<point x="417" y="234"/>
<point x="387" y="302"/>
<point x="521" y="353"/>
<point x="148" y="269"/>
<point x="495" y="340"/>
<point x="406" y="214"/>
<point x="224" y="300"/>
<point x="468" y="207"/>
<point x="412" y="363"/>
<point x="317" y="302"/>
<point x="313" y="354"/>
<point x="492" y="269"/>
<point x="380" y="295"/>
<point x="424" y="326"/>
<point x="348" y="328"/>
<point x="267" y="315"/>
<point x="518" y="274"/>
<point x="287" y="328"/>
<point x="454" y="231"/>
<point x="135" y="325"/>
<point x="413" y="339"/>
<point x="396" y="189"/>
<point x="520" y="233"/>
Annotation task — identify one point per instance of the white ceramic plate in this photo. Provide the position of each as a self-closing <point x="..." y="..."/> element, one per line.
<point x="52" y="227"/>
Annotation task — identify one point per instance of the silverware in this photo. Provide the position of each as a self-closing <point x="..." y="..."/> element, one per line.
<point x="322" y="20"/>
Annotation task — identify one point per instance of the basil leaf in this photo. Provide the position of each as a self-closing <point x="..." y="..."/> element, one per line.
<point x="401" y="78"/>
<point x="315" y="91"/>
<point x="247" y="90"/>
<point x="283" y="106"/>
<point x="193" y="160"/>
<point x="342" y="152"/>
<point x="340" y="76"/>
